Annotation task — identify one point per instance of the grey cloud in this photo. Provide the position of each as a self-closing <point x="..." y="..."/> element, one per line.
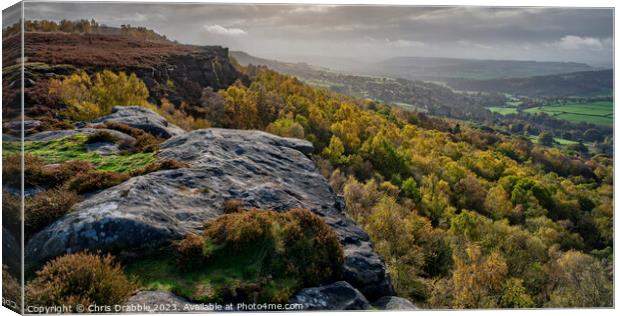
<point x="11" y="15"/>
<point x="365" y="32"/>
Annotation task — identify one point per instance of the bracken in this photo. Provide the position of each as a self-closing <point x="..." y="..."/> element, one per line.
<point x="80" y="278"/>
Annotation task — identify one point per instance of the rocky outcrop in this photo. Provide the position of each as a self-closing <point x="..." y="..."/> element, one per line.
<point x="16" y="126"/>
<point x="394" y="303"/>
<point x="206" y="66"/>
<point x="53" y="135"/>
<point x="141" y="118"/>
<point x="259" y="169"/>
<point x="169" y="70"/>
<point x="103" y="148"/>
<point x="337" y="296"/>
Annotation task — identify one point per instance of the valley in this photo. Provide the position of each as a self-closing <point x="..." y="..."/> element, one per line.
<point x="563" y="114"/>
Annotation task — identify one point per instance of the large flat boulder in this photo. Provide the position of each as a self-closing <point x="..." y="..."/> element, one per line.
<point x="259" y="169"/>
<point x="141" y="118"/>
<point x="336" y="296"/>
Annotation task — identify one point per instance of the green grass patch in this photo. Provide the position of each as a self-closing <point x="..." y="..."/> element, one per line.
<point x="253" y="256"/>
<point x="599" y="112"/>
<point x="563" y="141"/>
<point x="215" y="282"/>
<point x="74" y="148"/>
<point x="560" y="141"/>
<point x="502" y="110"/>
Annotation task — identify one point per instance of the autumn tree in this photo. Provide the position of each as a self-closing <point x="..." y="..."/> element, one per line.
<point x="545" y="138"/>
<point x="578" y="280"/>
<point x="88" y="98"/>
<point x="286" y="127"/>
<point x="478" y="279"/>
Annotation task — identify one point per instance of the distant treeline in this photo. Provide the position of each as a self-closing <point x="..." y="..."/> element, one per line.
<point x="582" y="84"/>
<point x="84" y="27"/>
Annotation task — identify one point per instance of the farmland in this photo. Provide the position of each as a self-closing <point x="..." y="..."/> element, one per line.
<point x="503" y="110"/>
<point x="595" y="112"/>
<point x="599" y="112"/>
<point x="558" y="140"/>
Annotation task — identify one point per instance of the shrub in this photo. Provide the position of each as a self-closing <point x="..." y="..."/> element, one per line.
<point x="101" y="137"/>
<point x="295" y="244"/>
<point x="45" y="208"/>
<point x="11" y="289"/>
<point x="190" y="252"/>
<point x="61" y="173"/>
<point x="79" y="279"/>
<point x="236" y="231"/>
<point x="123" y="128"/>
<point x="168" y="164"/>
<point x="52" y="124"/>
<point x="88" y="98"/>
<point x="12" y="170"/>
<point x="247" y="256"/>
<point x="286" y="127"/>
<point x="11" y="212"/>
<point x="232" y="206"/>
<point x="180" y="117"/>
<point x="145" y="142"/>
<point x="92" y="180"/>
<point x="312" y="250"/>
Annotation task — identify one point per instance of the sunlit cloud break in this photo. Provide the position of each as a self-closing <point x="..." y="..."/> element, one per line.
<point x="220" y="30"/>
<point x="573" y="42"/>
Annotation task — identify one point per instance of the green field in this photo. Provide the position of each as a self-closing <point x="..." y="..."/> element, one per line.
<point x="502" y="110"/>
<point x="409" y="107"/>
<point x="558" y="140"/>
<point x="599" y="112"/>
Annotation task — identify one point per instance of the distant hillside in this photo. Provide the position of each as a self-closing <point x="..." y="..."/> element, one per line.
<point x="578" y="84"/>
<point x="429" y="68"/>
<point x="303" y="70"/>
<point x="413" y="95"/>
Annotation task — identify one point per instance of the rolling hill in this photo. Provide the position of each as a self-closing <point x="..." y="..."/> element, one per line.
<point x="416" y="95"/>
<point x="442" y="69"/>
<point x="581" y="84"/>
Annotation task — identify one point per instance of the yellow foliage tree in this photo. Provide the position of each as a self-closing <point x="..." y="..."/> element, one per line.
<point x="478" y="279"/>
<point x="286" y="127"/>
<point x="240" y="106"/>
<point x="335" y="151"/>
<point x="87" y="98"/>
<point x="179" y="117"/>
<point x="578" y="280"/>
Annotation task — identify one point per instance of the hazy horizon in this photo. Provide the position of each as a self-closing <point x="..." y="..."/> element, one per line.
<point x="337" y="33"/>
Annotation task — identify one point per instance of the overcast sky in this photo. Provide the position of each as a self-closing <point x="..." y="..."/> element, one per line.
<point x="305" y="32"/>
